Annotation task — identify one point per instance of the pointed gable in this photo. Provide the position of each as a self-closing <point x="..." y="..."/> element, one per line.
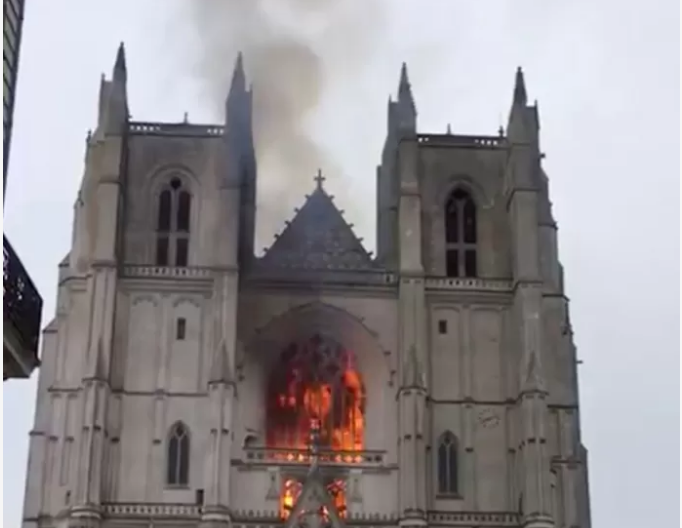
<point x="220" y="368"/>
<point x="314" y="507"/>
<point x="318" y="238"/>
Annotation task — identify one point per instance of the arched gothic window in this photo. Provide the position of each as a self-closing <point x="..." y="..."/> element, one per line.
<point x="172" y="224"/>
<point x="460" y="235"/>
<point x="447" y="464"/>
<point x="316" y="381"/>
<point x="177" y="471"/>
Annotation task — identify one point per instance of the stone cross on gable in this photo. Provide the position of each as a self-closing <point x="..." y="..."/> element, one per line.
<point x="319" y="179"/>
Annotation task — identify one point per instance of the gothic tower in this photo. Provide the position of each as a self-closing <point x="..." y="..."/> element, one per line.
<point x="186" y="382"/>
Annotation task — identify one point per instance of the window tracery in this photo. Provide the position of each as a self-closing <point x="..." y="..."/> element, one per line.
<point x="173" y="224"/>
<point x="316" y="382"/>
<point x="460" y="235"/>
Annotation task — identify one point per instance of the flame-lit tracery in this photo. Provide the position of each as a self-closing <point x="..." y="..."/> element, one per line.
<point x="316" y="380"/>
<point x="293" y="488"/>
<point x="316" y="396"/>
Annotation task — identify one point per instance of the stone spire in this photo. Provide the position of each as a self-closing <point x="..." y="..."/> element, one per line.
<point x="520" y="96"/>
<point x="405" y="96"/>
<point x="238" y="76"/>
<point x="403" y="116"/>
<point x="523" y="123"/>
<point x="120" y="68"/>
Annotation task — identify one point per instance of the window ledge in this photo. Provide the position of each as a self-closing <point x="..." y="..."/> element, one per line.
<point x="177" y="487"/>
<point x="449" y="496"/>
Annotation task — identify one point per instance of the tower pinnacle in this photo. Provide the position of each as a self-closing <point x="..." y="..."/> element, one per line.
<point x="120" y="69"/>
<point x="404" y="88"/>
<point x="238" y="77"/>
<point x="520" y="96"/>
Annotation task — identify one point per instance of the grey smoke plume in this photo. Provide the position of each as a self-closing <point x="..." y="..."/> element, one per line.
<point x="293" y="51"/>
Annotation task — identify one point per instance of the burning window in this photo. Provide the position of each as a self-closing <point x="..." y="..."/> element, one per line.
<point x="316" y="381"/>
<point x="291" y="492"/>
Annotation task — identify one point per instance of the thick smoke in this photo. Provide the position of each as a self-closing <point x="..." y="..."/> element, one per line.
<point x="293" y="51"/>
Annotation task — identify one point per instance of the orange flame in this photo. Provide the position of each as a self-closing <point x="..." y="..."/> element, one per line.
<point x="305" y="391"/>
<point x="292" y="491"/>
<point x="314" y="388"/>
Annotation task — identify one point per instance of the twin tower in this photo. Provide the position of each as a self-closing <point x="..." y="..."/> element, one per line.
<point x="187" y="382"/>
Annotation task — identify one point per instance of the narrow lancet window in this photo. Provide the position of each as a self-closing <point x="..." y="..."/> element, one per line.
<point x="173" y="225"/>
<point x="460" y="235"/>
<point x="177" y="471"/>
<point x="447" y="464"/>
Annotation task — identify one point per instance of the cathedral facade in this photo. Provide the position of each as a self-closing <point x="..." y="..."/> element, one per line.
<point x="186" y="382"/>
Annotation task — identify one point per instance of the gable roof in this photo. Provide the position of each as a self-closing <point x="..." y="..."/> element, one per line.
<point x="318" y="238"/>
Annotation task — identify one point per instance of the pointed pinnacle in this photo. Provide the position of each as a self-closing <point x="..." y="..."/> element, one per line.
<point x="238" y="76"/>
<point x="404" y="89"/>
<point x="520" y="96"/>
<point x="220" y="369"/>
<point x="404" y="81"/>
<point x="120" y="64"/>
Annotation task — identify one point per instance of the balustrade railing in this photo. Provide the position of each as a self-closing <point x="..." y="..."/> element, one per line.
<point x="325" y="456"/>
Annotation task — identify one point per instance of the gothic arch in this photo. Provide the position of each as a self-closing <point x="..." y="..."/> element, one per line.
<point x="157" y="175"/>
<point x="447" y="464"/>
<point x="137" y="299"/>
<point x="481" y="197"/>
<point x="186" y="299"/>
<point x="321" y="318"/>
<point x="461" y="217"/>
<point x="178" y="455"/>
<point x="175" y="190"/>
<point x="316" y="380"/>
<point x="265" y="348"/>
<point x="160" y="177"/>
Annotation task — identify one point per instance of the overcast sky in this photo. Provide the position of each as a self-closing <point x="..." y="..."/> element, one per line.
<point x="606" y="75"/>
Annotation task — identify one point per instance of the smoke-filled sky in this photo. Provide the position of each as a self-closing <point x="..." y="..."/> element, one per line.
<point x="606" y="75"/>
<point x="295" y="51"/>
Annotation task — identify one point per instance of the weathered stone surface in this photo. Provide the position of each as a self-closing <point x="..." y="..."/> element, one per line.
<point x="469" y="387"/>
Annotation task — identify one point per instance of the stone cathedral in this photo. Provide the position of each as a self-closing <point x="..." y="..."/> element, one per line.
<point x="187" y="382"/>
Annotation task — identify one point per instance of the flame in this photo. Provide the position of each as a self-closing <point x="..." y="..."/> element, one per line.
<point x="292" y="491"/>
<point x="316" y="383"/>
<point x="317" y="400"/>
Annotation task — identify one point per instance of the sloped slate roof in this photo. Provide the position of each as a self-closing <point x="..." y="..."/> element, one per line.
<point x="318" y="238"/>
